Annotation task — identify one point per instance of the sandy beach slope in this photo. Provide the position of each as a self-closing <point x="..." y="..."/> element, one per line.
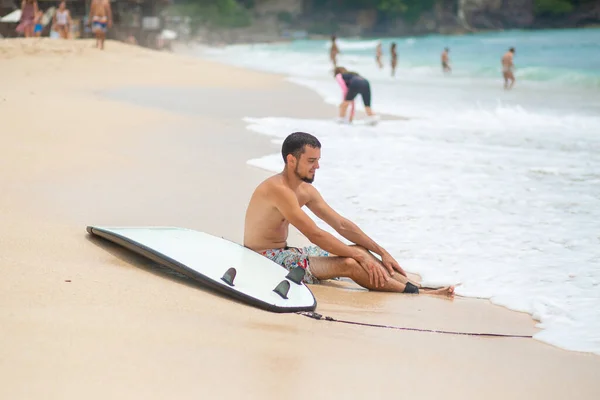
<point x="83" y="319"/>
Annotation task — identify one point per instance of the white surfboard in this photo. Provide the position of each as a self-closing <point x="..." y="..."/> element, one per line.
<point x="218" y="263"/>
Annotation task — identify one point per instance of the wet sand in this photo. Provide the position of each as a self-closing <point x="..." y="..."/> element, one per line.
<point x="82" y="318"/>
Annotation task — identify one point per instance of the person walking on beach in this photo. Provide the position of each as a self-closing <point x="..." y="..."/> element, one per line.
<point x="62" y="21"/>
<point x="378" y="55"/>
<point x="334" y="51"/>
<point x="352" y="84"/>
<point x="277" y="202"/>
<point x="507" y="68"/>
<point x="446" y="61"/>
<point x="394" y="58"/>
<point x="100" y="19"/>
<point x="29" y="9"/>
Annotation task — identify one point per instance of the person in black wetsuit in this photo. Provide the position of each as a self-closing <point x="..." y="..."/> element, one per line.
<point x="353" y="84"/>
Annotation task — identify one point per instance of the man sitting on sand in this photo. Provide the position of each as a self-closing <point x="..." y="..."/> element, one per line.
<point x="278" y="201"/>
<point x="100" y="19"/>
<point x="507" y="68"/>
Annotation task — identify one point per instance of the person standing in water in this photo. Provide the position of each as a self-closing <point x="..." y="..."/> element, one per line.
<point x="394" y="58"/>
<point x="100" y="19"/>
<point x="353" y="84"/>
<point x="446" y="60"/>
<point x="507" y="68"/>
<point x="333" y="51"/>
<point x="378" y="55"/>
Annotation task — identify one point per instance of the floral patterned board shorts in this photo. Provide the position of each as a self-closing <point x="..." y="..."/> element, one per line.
<point x="291" y="257"/>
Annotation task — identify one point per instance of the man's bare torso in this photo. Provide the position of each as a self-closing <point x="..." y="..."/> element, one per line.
<point x="99" y="8"/>
<point x="333" y="52"/>
<point x="265" y="227"/>
<point x="507" y="60"/>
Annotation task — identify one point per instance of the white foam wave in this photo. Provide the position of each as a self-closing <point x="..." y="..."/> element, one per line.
<point x="354" y="45"/>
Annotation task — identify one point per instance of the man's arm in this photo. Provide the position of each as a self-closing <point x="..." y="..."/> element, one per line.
<point x="349" y="229"/>
<point x="287" y="203"/>
<point x="343" y="226"/>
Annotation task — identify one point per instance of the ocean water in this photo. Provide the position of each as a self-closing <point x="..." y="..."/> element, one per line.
<point x="497" y="191"/>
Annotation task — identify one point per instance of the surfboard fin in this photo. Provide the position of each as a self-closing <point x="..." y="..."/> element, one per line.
<point x="296" y="275"/>
<point x="229" y="276"/>
<point x="282" y="289"/>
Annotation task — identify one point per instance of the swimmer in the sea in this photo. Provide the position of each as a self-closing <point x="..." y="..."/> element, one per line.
<point x="507" y="68"/>
<point x="446" y="60"/>
<point x="334" y="51"/>
<point x="378" y="55"/>
<point x="394" y="55"/>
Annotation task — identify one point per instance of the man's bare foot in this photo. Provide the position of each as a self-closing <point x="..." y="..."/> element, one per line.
<point x="445" y="291"/>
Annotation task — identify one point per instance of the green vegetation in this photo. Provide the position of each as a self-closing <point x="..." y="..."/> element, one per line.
<point x="409" y="10"/>
<point x="557" y="7"/>
<point x="238" y="13"/>
<point x="553" y="7"/>
<point x="217" y="13"/>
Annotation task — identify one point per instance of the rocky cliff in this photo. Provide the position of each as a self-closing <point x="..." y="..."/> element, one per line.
<point x="495" y="14"/>
<point x="276" y="19"/>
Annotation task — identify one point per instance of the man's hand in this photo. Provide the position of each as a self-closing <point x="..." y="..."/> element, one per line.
<point x="377" y="274"/>
<point x="391" y="264"/>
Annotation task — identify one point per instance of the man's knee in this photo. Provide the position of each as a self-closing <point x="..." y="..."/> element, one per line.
<point x="351" y="267"/>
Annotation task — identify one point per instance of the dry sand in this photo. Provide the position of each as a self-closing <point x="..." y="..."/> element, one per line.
<point x="84" y="319"/>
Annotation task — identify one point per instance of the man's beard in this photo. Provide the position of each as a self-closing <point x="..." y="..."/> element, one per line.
<point x="304" y="178"/>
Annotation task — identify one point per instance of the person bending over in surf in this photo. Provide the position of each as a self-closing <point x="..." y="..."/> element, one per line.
<point x="353" y="84"/>
<point x="278" y="201"/>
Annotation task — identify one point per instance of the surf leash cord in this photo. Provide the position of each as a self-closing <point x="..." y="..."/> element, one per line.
<point x="320" y="317"/>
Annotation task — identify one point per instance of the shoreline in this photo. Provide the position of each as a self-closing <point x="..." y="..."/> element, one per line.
<point x="115" y="329"/>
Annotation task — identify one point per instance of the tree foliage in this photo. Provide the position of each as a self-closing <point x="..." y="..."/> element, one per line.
<point x="553" y="7"/>
<point x="219" y="13"/>
<point x="237" y="13"/>
<point x="410" y="10"/>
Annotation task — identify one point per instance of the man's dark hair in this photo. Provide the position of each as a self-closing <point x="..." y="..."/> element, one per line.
<point x="512" y="49"/>
<point x="295" y="142"/>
